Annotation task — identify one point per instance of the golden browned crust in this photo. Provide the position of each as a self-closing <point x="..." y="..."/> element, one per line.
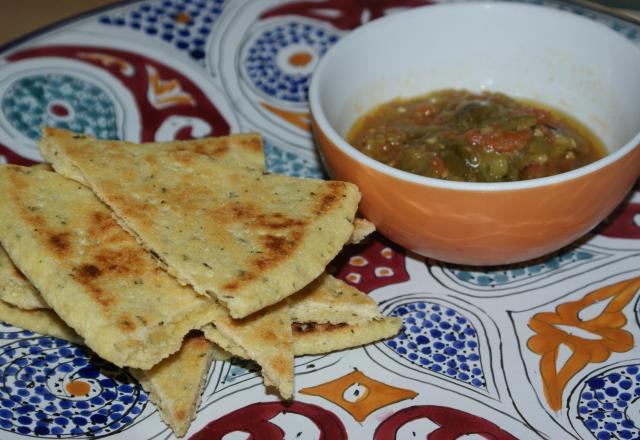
<point x="330" y="300"/>
<point x="324" y="338"/>
<point x="43" y="321"/>
<point x="15" y="289"/>
<point x="313" y="338"/>
<point x="266" y="338"/>
<point x="175" y="385"/>
<point x="94" y="275"/>
<point x="250" y="239"/>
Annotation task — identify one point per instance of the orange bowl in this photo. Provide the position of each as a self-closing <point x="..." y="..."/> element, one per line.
<point x="484" y="223"/>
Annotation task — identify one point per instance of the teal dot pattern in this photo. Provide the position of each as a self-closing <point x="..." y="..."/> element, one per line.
<point x="34" y="401"/>
<point x="492" y="278"/>
<point x="31" y="102"/>
<point x="606" y="401"/>
<point x="439" y="339"/>
<point x="282" y="162"/>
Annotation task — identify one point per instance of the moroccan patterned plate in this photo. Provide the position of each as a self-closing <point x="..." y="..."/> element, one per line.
<point x="542" y="350"/>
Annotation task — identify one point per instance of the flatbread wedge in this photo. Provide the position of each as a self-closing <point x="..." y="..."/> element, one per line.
<point x="43" y="321"/>
<point x="326" y="300"/>
<point x="312" y="338"/>
<point x="15" y="289"/>
<point x="324" y="338"/>
<point x="175" y="385"/>
<point x="249" y="238"/>
<point x="266" y="337"/>
<point x="329" y="300"/>
<point x="362" y="228"/>
<point x="93" y="274"/>
<point x="243" y="149"/>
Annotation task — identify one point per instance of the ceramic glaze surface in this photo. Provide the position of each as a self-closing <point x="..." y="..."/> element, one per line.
<point x="541" y="349"/>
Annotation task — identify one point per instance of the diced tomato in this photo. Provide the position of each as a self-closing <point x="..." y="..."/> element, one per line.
<point x="511" y="141"/>
<point x="533" y="171"/>
<point x="500" y="142"/>
<point x="474" y="137"/>
<point x="440" y="167"/>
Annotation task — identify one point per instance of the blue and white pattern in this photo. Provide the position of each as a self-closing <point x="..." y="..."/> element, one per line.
<point x="9" y="332"/>
<point x="185" y="24"/>
<point x="493" y="278"/>
<point x="35" y="375"/>
<point x="609" y="404"/>
<point x="62" y="101"/>
<point x="269" y="57"/>
<point x="439" y="339"/>
<point x="617" y="24"/>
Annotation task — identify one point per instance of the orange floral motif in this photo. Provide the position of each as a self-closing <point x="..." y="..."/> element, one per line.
<point x="166" y="93"/>
<point x="358" y="394"/>
<point x="299" y="119"/>
<point x="109" y="60"/>
<point x="606" y="329"/>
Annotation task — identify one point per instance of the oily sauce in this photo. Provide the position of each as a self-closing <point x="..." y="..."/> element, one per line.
<point x="474" y="137"/>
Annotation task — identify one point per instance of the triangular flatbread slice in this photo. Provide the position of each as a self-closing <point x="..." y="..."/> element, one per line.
<point x="331" y="300"/>
<point x="243" y="149"/>
<point x="43" y="321"/>
<point x="325" y="338"/>
<point x="94" y="275"/>
<point x="266" y="337"/>
<point x="248" y="238"/>
<point x="362" y="228"/>
<point x="15" y="289"/>
<point x="311" y="338"/>
<point x="175" y="385"/>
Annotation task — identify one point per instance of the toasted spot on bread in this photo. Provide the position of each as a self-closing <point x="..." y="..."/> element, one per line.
<point x="59" y="242"/>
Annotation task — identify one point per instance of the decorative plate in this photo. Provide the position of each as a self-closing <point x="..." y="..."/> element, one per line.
<point x="543" y="350"/>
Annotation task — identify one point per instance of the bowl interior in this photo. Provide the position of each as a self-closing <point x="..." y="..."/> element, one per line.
<point x="550" y="56"/>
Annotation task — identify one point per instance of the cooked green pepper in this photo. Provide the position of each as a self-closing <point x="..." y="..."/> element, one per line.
<point x="485" y="137"/>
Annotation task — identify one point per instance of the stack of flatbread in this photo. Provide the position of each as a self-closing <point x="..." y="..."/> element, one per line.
<point x="163" y="257"/>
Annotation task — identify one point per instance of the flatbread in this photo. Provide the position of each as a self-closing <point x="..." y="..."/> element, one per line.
<point x="362" y="228"/>
<point x="237" y="149"/>
<point x="311" y="338"/>
<point x="93" y="274"/>
<point x="331" y="300"/>
<point x="248" y="238"/>
<point x="266" y="337"/>
<point x="325" y="300"/>
<point x="41" y="321"/>
<point x="175" y="385"/>
<point x="325" y="338"/>
<point x="15" y="289"/>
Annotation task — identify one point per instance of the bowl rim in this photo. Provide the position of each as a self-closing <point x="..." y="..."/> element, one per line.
<point x="320" y="121"/>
